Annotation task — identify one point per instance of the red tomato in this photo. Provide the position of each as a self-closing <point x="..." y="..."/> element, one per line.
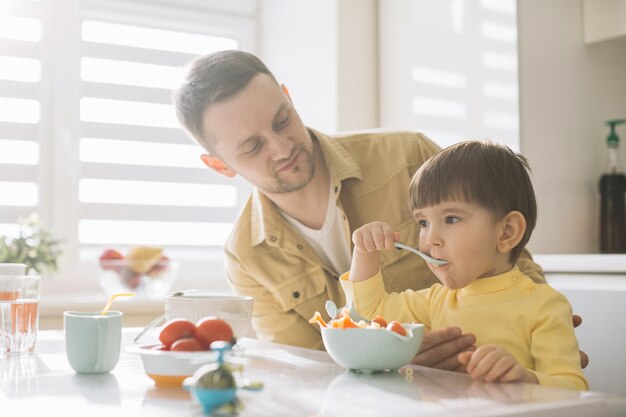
<point x="176" y="329"/>
<point x="395" y="326"/>
<point x="188" y="344"/>
<point x="211" y="329"/>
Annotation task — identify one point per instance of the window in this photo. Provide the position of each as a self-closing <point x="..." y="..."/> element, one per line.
<point x="89" y="138"/>
<point x="20" y="110"/>
<point x="453" y="75"/>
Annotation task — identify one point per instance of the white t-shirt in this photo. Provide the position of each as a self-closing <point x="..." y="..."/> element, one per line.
<point x="330" y="242"/>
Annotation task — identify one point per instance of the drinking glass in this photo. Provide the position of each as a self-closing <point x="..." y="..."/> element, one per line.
<point x="19" y="311"/>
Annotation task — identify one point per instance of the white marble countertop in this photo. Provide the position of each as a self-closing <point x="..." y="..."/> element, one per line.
<point x="594" y="263"/>
<point x="297" y="382"/>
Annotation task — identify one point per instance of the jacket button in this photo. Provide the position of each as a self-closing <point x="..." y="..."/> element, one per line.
<point x="336" y="189"/>
<point x="296" y="294"/>
<point x="300" y="247"/>
<point x="273" y="238"/>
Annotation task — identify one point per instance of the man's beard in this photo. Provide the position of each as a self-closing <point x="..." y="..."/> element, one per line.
<point x="280" y="185"/>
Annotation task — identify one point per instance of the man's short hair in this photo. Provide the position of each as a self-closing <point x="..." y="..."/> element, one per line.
<point x="210" y="79"/>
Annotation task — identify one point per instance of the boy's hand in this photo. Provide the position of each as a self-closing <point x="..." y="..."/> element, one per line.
<point x="369" y="240"/>
<point x="490" y="363"/>
<point x="375" y="236"/>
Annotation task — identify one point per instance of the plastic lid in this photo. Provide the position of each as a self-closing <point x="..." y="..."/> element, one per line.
<point x="12" y="269"/>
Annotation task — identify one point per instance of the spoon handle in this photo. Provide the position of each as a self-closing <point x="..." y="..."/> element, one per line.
<point x="409" y="248"/>
<point x="149" y="326"/>
<point x="420" y="253"/>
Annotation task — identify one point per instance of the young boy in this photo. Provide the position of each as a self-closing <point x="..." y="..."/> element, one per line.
<point x="476" y="207"/>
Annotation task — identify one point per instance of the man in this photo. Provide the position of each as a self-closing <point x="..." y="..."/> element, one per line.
<point x="292" y="239"/>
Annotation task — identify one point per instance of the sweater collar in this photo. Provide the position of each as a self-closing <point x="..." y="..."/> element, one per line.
<point x="493" y="284"/>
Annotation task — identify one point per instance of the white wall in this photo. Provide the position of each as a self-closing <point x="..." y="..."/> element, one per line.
<point x="449" y="69"/>
<point x="325" y="52"/>
<point x="567" y="91"/>
<point x="328" y="54"/>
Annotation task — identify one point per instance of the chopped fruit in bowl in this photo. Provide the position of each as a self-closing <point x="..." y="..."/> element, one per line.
<point x="144" y="270"/>
<point x="369" y="346"/>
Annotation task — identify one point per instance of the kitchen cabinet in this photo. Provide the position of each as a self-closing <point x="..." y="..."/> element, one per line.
<point x="595" y="286"/>
<point x="604" y="20"/>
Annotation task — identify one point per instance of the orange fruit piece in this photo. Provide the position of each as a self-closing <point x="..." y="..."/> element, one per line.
<point x="317" y="318"/>
<point x="348" y="322"/>
<point x="337" y="323"/>
<point x="381" y="321"/>
<point x="395" y="326"/>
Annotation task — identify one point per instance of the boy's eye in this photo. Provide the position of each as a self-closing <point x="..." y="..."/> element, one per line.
<point x="282" y="122"/>
<point x="452" y="219"/>
<point x="254" y="147"/>
<point x="422" y="223"/>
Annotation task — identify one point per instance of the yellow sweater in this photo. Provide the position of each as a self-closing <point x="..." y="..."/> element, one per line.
<point x="531" y="321"/>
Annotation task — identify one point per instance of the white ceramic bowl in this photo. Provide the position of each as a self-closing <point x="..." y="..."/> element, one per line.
<point x="236" y="310"/>
<point x="116" y="276"/>
<point x="167" y="368"/>
<point x="372" y="349"/>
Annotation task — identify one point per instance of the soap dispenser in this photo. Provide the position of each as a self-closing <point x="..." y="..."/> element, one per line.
<point x="612" y="189"/>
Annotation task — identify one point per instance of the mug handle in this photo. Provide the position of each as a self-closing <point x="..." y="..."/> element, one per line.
<point x="102" y="333"/>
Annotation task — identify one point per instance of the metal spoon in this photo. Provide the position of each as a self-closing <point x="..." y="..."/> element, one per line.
<point x="437" y="262"/>
<point x="159" y="320"/>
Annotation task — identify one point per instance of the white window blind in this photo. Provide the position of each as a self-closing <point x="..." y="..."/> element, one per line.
<point x="102" y="156"/>
<point x="20" y="111"/>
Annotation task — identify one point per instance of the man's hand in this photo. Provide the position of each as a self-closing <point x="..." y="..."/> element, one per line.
<point x="440" y="349"/>
<point x="584" y="358"/>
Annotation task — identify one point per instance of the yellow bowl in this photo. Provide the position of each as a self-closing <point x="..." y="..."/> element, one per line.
<point x="167" y="368"/>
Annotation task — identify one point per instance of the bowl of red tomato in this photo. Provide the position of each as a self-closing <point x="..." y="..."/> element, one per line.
<point x="369" y="346"/>
<point x="184" y="347"/>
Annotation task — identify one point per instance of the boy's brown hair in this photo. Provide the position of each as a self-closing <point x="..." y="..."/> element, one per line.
<point x="488" y="174"/>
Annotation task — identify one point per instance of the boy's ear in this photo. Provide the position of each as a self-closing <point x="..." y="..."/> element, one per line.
<point x="513" y="227"/>
<point x="217" y="165"/>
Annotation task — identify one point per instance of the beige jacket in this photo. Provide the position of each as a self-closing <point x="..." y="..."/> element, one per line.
<point x="269" y="260"/>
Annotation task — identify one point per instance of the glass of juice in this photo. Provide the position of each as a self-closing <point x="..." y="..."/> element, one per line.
<point x="19" y="311"/>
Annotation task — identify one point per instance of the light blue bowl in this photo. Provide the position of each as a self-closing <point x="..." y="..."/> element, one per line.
<point x="368" y="350"/>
